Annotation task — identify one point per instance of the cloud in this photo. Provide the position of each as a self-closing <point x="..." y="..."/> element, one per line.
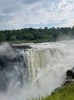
<point x="31" y="1"/>
<point x="36" y="13"/>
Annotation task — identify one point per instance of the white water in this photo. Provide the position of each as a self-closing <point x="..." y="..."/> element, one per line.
<point x="46" y="64"/>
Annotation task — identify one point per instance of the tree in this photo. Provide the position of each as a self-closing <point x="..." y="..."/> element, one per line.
<point x="2" y="37"/>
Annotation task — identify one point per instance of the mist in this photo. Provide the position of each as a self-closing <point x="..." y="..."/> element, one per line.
<point x="35" y="72"/>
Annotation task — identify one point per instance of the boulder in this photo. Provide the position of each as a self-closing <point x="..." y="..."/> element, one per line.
<point x="70" y="74"/>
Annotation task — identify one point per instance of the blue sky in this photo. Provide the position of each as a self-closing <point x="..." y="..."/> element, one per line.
<point x="17" y="14"/>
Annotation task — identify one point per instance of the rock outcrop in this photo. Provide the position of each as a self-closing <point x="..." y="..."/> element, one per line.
<point x="69" y="76"/>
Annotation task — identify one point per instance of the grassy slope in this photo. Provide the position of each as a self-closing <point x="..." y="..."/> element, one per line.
<point x="65" y="93"/>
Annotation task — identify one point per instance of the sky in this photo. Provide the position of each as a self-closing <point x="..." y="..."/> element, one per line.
<point x="17" y="14"/>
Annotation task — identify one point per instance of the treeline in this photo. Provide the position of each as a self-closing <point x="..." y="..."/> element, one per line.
<point x="35" y="35"/>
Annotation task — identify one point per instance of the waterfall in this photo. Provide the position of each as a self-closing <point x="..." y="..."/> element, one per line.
<point x="36" y="71"/>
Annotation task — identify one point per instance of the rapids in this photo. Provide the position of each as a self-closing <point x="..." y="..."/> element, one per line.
<point x="36" y="71"/>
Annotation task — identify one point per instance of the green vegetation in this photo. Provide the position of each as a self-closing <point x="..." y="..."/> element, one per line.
<point x="35" y="35"/>
<point x="64" y="93"/>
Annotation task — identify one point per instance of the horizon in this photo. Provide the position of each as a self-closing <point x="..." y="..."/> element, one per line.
<point x="35" y="28"/>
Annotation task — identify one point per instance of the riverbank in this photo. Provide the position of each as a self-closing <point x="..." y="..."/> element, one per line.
<point x="64" y="93"/>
